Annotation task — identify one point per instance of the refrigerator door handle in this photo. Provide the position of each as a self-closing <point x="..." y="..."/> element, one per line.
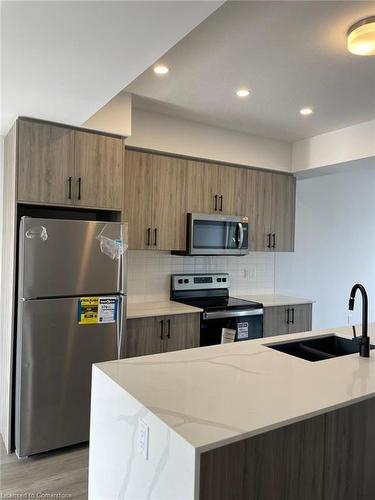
<point x="121" y="327"/>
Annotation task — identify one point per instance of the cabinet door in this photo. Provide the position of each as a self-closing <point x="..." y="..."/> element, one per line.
<point x="168" y="203"/>
<point x="231" y="190"/>
<point x="259" y="200"/>
<point x="98" y="170"/>
<point x="283" y="212"/>
<point x="202" y="187"/>
<point x="275" y="321"/>
<point x="137" y="199"/>
<point x="46" y="163"/>
<point x="182" y="331"/>
<point x="300" y="318"/>
<point x="143" y="336"/>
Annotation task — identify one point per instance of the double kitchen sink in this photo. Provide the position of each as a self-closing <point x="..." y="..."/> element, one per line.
<point x="318" y="349"/>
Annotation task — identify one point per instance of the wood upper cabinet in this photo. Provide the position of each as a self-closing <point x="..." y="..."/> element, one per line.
<point x="283" y="212"/>
<point x="168" y="202"/>
<point x="259" y="200"/>
<point x="201" y="187"/>
<point x="98" y="170"/>
<point x="280" y="320"/>
<point x="155" y="201"/>
<point x="232" y="190"/>
<point x="161" y="334"/>
<point x="215" y="188"/>
<point x="45" y="163"/>
<point x="63" y="166"/>
<point x="271" y="202"/>
<point x="137" y="203"/>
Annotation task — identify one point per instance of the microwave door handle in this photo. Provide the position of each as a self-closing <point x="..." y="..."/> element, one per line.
<point x="240" y="241"/>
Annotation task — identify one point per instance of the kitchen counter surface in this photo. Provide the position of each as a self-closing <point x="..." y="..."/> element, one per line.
<point x="168" y="307"/>
<point x="271" y="300"/>
<point x="158" y="308"/>
<point x="215" y="395"/>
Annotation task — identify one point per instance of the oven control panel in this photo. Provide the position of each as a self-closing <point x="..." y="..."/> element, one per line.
<point x="199" y="281"/>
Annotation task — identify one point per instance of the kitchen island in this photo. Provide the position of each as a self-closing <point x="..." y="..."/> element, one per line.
<point x="237" y="421"/>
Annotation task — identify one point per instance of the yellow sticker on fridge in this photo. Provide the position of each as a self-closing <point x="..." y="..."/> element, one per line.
<point x="88" y="309"/>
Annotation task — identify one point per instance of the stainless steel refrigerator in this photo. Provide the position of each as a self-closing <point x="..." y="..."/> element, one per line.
<point x="71" y="313"/>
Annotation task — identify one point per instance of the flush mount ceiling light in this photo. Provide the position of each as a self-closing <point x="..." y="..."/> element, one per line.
<point x="361" y="37"/>
<point x="306" y="111"/>
<point x="243" y="92"/>
<point x="160" y="69"/>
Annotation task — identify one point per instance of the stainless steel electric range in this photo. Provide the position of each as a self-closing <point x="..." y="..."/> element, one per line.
<point x="210" y="292"/>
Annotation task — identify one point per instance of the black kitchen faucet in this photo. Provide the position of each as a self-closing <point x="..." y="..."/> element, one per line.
<point x="363" y="341"/>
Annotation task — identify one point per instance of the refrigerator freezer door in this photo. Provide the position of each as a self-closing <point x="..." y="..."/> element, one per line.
<point x="60" y="258"/>
<point x="54" y="361"/>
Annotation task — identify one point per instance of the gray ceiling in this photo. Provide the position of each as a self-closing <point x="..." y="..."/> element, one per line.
<point x="291" y="54"/>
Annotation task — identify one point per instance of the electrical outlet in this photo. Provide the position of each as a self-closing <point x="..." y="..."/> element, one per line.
<point x="143" y="438"/>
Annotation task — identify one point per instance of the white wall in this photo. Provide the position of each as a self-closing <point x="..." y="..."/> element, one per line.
<point x="165" y="133"/>
<point x="115" y="117"/>
<point x="335" y="245"/>
<point x="335" y="148"/>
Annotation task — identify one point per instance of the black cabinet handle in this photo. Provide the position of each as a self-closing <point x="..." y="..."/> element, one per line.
<point x="273" y="240"/>
<point x="221" y="203"/>
<point x="287" y="316"/>
<point x="70" y="188"/>
<point x="148" y="236"/>
<point x="161" y="329"/>
<point x="155" y="237"/>
<point x="269" y="240"/>
<point x="79" y="188"/>
<point x="292" y="320"/>
<point x="215" y="203"/>
<point x="169" y="328"/>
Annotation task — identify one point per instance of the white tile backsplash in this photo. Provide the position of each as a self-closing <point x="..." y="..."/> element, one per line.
<point x="149" y="272"/>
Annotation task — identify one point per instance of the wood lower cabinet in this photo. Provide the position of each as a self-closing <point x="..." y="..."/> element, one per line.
<point x="61" y="165"/>
<point x="45" y="163"/>
<point x="161" y="334"/>
<point x="281" y="320"/>
<point x="326" y="457"/>
<point x="182" y="331"/>
<point x="98" y="170"/>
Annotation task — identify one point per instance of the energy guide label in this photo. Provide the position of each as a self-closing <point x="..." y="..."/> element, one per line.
<point x="97" y="310"/>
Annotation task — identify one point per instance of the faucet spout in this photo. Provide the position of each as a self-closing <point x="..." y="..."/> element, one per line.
<point x="364" y="341"/>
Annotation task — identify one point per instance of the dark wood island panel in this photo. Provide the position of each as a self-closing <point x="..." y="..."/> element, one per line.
<point x="328" y="457"/>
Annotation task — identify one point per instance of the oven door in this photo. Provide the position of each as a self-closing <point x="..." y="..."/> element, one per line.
<point x="217" y="235"/>
<point x="248" y="325"/>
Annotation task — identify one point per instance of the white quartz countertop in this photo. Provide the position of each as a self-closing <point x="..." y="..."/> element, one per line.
<point x="219" y="394"/>
<point x="158" y="308"/>
<point x="144" y="309"/>
<point x="270" y="300"/>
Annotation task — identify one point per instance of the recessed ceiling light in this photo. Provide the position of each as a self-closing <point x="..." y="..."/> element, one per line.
<point x="306" y="111"/>
<point x="361" y="37"/>
<point x="243" y="92"/>
<point x="160" y="69"/>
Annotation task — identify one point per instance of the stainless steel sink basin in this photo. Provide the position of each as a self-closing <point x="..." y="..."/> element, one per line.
<point x="318" y="349"/>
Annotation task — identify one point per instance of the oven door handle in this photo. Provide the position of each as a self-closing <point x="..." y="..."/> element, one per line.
<point x="232" y="313"/>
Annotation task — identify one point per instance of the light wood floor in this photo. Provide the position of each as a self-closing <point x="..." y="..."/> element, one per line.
<point x="64" y="471"/>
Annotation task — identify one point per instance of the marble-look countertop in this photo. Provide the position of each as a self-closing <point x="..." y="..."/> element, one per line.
<point x="158" y="308"/>
<point x="166" y="307"/>
<point x="270" y="300"/>
<point x="215" y="395"/>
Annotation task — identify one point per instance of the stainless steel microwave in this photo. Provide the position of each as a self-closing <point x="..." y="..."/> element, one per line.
<point x="209" y="234"/>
